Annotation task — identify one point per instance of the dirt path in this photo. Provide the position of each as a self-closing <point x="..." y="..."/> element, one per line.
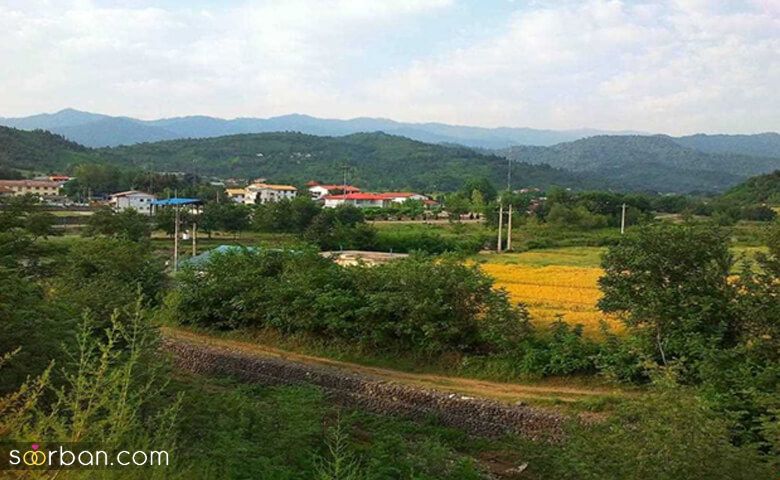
<point x="480" y="407"/>
<point x="506" y="392"/>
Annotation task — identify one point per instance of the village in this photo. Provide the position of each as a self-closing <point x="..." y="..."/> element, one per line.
<point x="49" y="189"/>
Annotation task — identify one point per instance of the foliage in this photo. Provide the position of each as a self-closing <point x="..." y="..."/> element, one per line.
<point x="417" y="303"/>
<point x="287" y="216"/>
<point x="109" y="398"/>
<point x="105" y="274"/>
<point x="31" y="321"/>
<point x="670" y="283"/>
<point x="379" y="161"/>
<point x="228" y="425"/>
<point x="432" y="242"/>
<point x="563" y="351"/>
<point x="25" y="213"/>
<point x="340" y="228"/>
<point x="668" y="434"/>
<point x="647" y="163"/>
<point x="757" y="190"/>
<point x="127" y="225"/>
<point x="37" y="150"/>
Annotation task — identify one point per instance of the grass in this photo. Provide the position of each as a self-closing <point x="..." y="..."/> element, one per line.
<point x="486" y="377"/>
<point x="235" y="430"/>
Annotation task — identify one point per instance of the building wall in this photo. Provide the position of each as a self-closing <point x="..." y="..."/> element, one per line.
<point x="140" y="203"/>
<point x="38" y="188"/>
<point x="267" y="195"/>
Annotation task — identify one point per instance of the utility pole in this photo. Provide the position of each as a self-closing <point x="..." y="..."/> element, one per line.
<point x="500" y="223"/>
<point x="509" y="174"/>
<point x="344" y="185"/>
<point x="176" y="239"/>
<point x="194" y="239"/>
<point x="509" y="230"/>
<point x="623" y="220"/>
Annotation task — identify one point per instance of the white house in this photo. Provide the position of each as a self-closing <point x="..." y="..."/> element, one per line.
<point x="318" y="192"/>
<point x="266" y="192"/>
<point x="138" y="201"/>
<point x="236" y="194"/>
<point x="360" y="200"/>
<point x="401" y="197"/>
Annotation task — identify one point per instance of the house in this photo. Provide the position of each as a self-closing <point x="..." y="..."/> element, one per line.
<point x="318" y="192"/>
<point x="267" y="193"/>
<point x="133" y="199"/>
<point x="360" y="200"/>
<point x="236" y="194"/>
<point x="59" y="178"/>
<point x="40" y="188"/>
<point x="365" y="199"/>
<point x="401" y="197"/>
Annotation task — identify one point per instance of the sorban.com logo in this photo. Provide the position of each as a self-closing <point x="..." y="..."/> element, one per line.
<point x="80" y="456"/>
<point x="34" y="457"/>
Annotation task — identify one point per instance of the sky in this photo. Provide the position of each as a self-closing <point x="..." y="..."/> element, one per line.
<point x="676" y="66"/>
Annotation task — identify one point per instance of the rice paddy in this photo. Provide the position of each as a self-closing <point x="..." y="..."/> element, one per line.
<point x="553" y="282"/>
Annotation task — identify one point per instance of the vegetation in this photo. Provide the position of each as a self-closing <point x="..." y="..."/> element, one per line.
<point x="763" y="189"/>
<point x="700" y="341"/>
<point x="38" y="150"/>
<point x="415" y="304"/>
<point x="647" y="163"/>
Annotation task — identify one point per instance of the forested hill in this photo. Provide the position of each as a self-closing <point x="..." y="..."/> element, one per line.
<point x="38" y="151"/>
<point x="655" y="163"/>
<point x="373" y="160"/>
<point x="757" y="190"/>
<point x="761" y="144"/>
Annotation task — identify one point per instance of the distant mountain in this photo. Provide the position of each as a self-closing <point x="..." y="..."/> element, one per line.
<point x="756" y="190"/>
<point x="38" y="151"/>
<point x="656" y="163"/>
<point x="374" y="161"/>
<point x="97" y="130"/>
<point x="761" y="144"/>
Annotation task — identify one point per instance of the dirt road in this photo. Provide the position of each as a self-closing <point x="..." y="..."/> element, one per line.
<point x="479" y="407"/>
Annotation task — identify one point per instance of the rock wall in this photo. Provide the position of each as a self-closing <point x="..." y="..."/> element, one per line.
<point x="476" y="416"/>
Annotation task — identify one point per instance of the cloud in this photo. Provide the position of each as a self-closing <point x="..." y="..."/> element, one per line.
<point x="671" y="67"/>
<point x="676" y="66"/>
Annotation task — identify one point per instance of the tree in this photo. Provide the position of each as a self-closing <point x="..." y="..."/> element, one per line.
<point x="456" y="204"/>
<point x="127" y="224"/>
<point x="41" y="224"/>
<point x="235" y="218"/>
<point x="481" y="185"/>
<point x="669" y="284"/>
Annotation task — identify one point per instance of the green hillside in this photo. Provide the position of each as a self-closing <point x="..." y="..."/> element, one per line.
<point x="647" y="163"/>
<point x="373" y="161"/>
<point x="38" y="151"/>
<point x="757" y="190"/>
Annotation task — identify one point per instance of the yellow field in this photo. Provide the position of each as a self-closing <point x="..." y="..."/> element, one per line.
<point x="551" y="290"/>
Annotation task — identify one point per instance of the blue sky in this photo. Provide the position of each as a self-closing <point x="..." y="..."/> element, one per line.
<point x="676" y="66"/>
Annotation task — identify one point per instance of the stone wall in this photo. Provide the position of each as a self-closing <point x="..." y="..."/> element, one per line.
<point x="476" y="416"/>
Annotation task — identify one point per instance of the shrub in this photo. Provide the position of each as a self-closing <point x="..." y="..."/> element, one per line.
<point x="668" y="434"/>
<point x="418" y="303"/>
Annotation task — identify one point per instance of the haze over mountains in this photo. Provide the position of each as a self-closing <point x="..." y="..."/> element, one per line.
<point x="97" y="130"/>
<point x="397" y="157"/>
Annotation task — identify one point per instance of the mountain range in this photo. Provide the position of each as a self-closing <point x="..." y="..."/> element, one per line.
<point x="432" y="156"/>
<point x="659" y="163"/>
<point x="372" y="160"/>
<point x="97" y="130"/>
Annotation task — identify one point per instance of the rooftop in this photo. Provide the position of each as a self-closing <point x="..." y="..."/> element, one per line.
<point x="270" y="186"/>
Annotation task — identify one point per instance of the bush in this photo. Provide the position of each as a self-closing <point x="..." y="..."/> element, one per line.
<point x="428" y="242"/>
<point x="668" y="434"/>
<point x="564" y="351"/>
<point x="418" y="303"/>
